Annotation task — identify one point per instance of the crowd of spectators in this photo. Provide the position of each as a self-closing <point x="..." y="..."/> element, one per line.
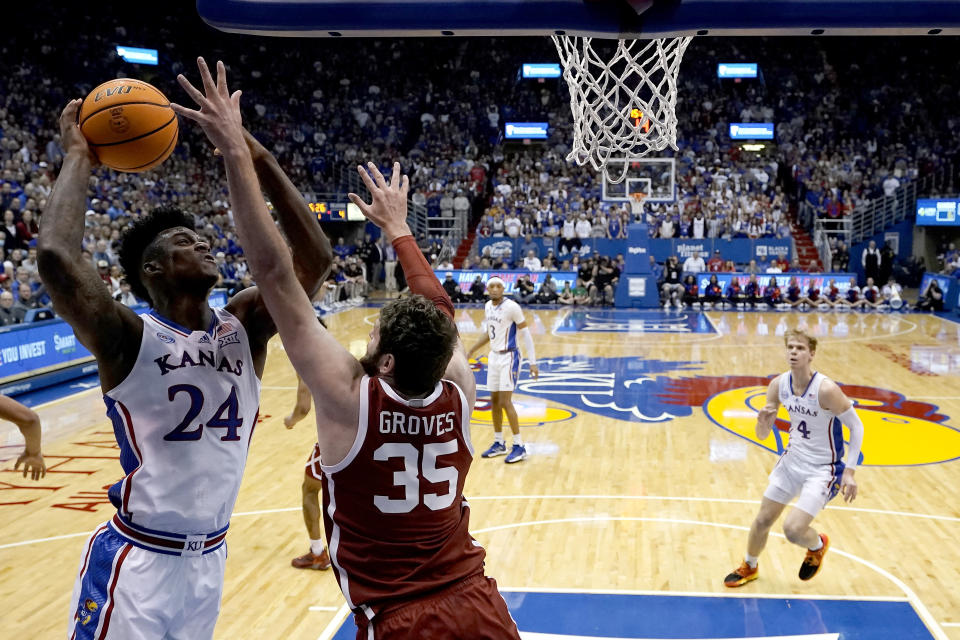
<point x="320" y="109"/>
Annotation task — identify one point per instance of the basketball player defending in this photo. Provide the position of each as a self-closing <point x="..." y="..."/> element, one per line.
<point x="317" y="557"/>
<point x="393" y="429"/>
<point x="811" y="467"/>
<point x="504" y="321"/>
<point x="182" y="388"/>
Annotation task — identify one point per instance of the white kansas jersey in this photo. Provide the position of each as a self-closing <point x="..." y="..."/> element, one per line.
<point x="816" y="435"/>
<point x="501" y="322"/>
<point x="183" y="418"/>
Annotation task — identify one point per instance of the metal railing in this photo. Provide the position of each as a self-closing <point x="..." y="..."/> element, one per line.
<point x="825" y="229"/>
<point x="876" y="215"/>
<point x="349" y="181"/>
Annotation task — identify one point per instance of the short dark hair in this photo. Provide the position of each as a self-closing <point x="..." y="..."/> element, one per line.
<point x="421" y="339"/>
<point x="139" y="237"/>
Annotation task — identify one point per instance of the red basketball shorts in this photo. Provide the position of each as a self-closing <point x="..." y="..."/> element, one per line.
<point x="472" y="609"/>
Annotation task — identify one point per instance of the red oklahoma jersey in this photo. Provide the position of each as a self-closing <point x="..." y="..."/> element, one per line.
<point x="394" y="513"/>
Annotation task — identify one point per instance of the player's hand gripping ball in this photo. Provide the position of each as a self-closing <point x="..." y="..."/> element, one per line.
<point x="129" y="125"/>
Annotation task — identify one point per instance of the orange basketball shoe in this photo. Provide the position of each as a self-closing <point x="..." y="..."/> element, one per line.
<point x="814" y="559"/>
<point x="311" y="560"/>
<point x="744" y="574"/>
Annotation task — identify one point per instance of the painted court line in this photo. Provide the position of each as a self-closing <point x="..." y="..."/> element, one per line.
<point x="706" y="594"/>
<point x="321" y="608"/>
<point x="915" y="602"/>
<point x="906" y="514"/>
<point x="335" y="622"/>
<point x="526" y="635"/>
<point x="260" y="512"/>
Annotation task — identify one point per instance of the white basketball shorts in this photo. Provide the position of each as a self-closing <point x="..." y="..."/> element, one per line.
<point x="126" y="592"/>
<point x="816" y="484"/>
<point x="503" y="370"/>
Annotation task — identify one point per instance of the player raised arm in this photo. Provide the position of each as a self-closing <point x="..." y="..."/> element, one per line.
<point x="110" y="330"/>
<point x="389" y="212"/>
<point x="767" y="416"/>
<point x="312" y="253"/>
<point x="834" y="400"/>
<point x="331" y="373"/>
<point x="29" y="424"/>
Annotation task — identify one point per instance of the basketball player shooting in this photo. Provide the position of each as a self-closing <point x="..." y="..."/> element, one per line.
<point x="393" y="429"/>
<point x="812" y="466"/>
<point x="182" y="388"/>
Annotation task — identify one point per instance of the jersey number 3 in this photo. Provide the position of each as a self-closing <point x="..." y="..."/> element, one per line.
<point x="227" y="415"/>
<point x="409" y="479"/>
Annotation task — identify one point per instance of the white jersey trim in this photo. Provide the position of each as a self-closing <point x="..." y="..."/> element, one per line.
<point x="465" y="413"/>
<point x="415" y="403"/>
<point x="358" y="439"/>
<point x="335" y="543"/>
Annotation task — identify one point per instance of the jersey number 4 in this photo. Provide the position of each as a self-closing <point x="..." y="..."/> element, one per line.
<point x="804" y="430"/>
<point x="227" y="415"/>
<point x="409" y="479"/>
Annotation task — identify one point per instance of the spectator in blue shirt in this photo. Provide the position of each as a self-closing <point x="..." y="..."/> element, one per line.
<point x="342" y="249"/>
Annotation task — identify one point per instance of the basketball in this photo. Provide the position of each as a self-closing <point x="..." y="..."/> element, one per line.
<point x="129" y="125"/>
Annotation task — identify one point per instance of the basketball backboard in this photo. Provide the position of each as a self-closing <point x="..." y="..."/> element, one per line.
<point x="599" y="18"/>
<point x="655" y="177"/>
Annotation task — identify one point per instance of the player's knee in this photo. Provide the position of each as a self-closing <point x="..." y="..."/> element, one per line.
<point x="764" y="521"/>
<point x="794" y="532"/>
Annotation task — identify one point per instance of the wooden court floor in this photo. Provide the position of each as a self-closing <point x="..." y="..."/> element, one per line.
<point x="643" y="474"/>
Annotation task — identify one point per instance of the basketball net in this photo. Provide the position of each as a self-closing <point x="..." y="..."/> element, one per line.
<point x="636" y="204"/>
<point x="624" y="102"/>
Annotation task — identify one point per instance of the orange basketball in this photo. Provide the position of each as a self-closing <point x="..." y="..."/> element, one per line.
<point x="129" y="125"/>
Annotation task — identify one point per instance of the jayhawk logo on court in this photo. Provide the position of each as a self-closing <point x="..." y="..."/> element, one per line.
<point x="897" y="431"/>
<point x="622" y="388"/>
<point x="531" y="412"/>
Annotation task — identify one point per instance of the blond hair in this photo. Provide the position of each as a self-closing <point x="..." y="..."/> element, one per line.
<point x="802" y="335"/>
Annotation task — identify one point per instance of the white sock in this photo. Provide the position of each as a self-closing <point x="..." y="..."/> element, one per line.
<point x="517" y="439"/>
<point x="316" y="546"/>
<point x="498" y="437"/>
<point x="817" y="546"/>
<point x="751" y="560"/>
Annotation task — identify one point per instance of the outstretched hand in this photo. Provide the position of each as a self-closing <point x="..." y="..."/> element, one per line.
<point x="389" y="207"/>
<point x="219" y="112"/>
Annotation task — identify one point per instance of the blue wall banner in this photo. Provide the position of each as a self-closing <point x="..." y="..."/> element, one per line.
<point x="751" y="131"/>
<point x="40" y="354"/>
<point x="541" y="70"/>
<point x="526" y="130"/>
<point x="39" y="347"/>
<point x="938" y="212"/>
<point x="510" y="278"/>
<point x="737" y="70"/>
<point x="740" y="250"/>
